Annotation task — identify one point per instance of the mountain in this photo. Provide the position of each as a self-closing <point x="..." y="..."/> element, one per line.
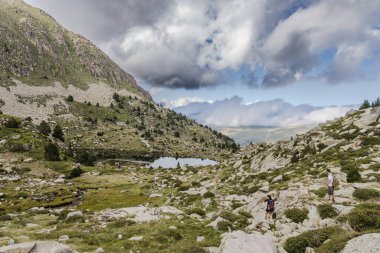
<point x="36" y="50"/>
<point x="218" y="208"/>
<point x="51" y="74"/>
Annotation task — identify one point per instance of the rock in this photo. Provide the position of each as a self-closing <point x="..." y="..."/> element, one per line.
<point x="155" y="195"/>
<point x="200" y="238"/>
<point x="119" y="236"/>
<point x="214" y="224"/>
<point x="240" y="242"/>
<point x="63" y="238"/>
<point x="277" y="179"/>
<point x="136" y="238"/>
<point x="28" y="160"/>
<point x="99" y="250"/>
<point x="264" y="188"/>
<point x="74" y="214"/>
<point x="6" y="241"/>
<point x="59" y="180"/>
<point x="369" y="243"/>
<point x="172" y="227"/>
<point x="309" y="250"/>
<point x="25" y="247"/>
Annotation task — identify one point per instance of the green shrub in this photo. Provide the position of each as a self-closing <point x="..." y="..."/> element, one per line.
<point x="365" y="216"/>
<point x="327" y="211"/>
<point x="366" y="194"/>
<point x="76" y="172"/>
<point x="5" y="217"/>
<point x="12" y="123"/>
<point x="297" y="215"/>
<point x="194" y="249"/>
<point x="321" y="192"/>
<point x="336" y="244"/>
<point x="224" y="226"/>
<point x="121" y="223"/>
<point x="229" y="216"/>
<point x="208" y="195"/>
<point x="353" y="175"/>
<point x="198" y="211"/>
<point x="70" y="98"/>
<point x="17" y="147"/>
<point x="85" y="158"/>
<point x="51" y="152"/>
<point x="58" y="133"/>
<point x="44" y="128"/>
<point x="313" y="238"/>
<point x="183" y="188"/>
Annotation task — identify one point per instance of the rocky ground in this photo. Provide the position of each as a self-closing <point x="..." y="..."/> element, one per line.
<point x="209" y="209"/>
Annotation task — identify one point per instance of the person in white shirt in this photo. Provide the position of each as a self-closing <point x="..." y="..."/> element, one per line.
<point x="330" y="185"/>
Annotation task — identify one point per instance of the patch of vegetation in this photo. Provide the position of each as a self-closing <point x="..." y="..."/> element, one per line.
<point x="76" y="172"/>
<point x="12" y="123"/>
<point x="327" y="211"/>
<point x="198" y="211"/>
<point x="58" y="133"/>
<point x="51" y="152"/>
<point x="224" y="226"/>
<point x="297" y="215"/>
<point x="366" y="194"/>
<point x="365" y="216"/>
<point x="353" y="175"/>
<point x="44" y="128"/>
<point x="312" y="238"/>
<point x="321" y="192"/>
<point x="208" y="195"/>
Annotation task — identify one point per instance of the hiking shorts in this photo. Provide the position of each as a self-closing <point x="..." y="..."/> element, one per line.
<point x="331" y="190"/>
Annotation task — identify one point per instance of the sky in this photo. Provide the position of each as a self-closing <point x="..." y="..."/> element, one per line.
<point x="320" y="53"/>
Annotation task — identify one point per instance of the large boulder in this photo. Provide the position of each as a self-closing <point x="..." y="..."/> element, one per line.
<point x="240" y="242"/>
<point x="369" y="243"/>
<point x="37" y="247"/>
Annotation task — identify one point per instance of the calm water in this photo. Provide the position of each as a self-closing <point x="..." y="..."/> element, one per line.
<point x="171" y="162"/>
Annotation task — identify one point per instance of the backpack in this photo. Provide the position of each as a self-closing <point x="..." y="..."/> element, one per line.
<point x="270" y="204"/>
<point x="335" y="182"/>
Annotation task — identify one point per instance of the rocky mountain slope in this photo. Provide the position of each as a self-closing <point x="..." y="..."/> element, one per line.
<point x="107" y="208"/>
<point x="48" y="73"/>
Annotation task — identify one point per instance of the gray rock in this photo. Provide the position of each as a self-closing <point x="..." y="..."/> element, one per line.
<point x="369" y="243"/>
<point x="240" y="242"/>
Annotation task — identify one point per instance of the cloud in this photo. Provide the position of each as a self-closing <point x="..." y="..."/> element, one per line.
<point x="196" y="43"/>
<point x="233" y="112"/>
<point x="184" y="101"/>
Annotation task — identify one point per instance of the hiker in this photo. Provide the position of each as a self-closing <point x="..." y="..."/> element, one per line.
<point x="270" y="207"/>
<point x="330" y="186"/>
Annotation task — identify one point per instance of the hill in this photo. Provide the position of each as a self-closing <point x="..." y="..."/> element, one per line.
<point x="51" y="74"/>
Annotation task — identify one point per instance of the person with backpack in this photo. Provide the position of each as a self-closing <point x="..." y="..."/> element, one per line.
<point x="332" y="183"/>
<point x="270" y="207"/>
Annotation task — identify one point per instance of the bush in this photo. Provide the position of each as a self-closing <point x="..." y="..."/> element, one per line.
<point x="198" y="211"/>
<point x="76" y="172"/>
<point x="312" y="238"/>
<point x="321" y="192"/>
<point x="58" y="133"/>
<point x="17" y="147"/>
<point x="353" y="175"/>
<point x="224" y="226"/>
<point x="194" y="249"/>
<point x="208" y="195"/>
<point x="365" y="217"/>
<point x="366" y="194"/>
<point x="297" y="215"/>
<point x="12" y="123"/>
<point x="51" y="152"/>
<point x="70" y="98"/>
<point x="327" y="211"/>
<point x="5" y="217"/>
<point x="85" y="158"/>
<point x="44" y="128"/>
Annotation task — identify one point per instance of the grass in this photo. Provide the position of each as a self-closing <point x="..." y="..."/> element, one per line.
<point x="100" y="199"/>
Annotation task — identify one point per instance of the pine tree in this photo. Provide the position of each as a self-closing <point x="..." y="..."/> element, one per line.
<point x="51" y="152"/>
<point x="365" y="105"/>
<point x="44" y="128"/>
<point x="58" y="133"/>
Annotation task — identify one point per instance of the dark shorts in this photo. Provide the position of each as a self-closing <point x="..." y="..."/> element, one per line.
<point x="270" y="210"/>
<point x="330" y="190"/>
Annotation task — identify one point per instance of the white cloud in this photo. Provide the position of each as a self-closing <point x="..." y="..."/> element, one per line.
<point x="184" y="101"/>
<point x="233" y="112"/>
<point x="193" y="43"/>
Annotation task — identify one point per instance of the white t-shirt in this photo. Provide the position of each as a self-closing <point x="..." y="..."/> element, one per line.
<point x="331" y="179"/>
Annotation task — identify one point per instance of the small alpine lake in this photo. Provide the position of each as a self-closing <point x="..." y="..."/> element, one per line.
<point x="172" y="162"/>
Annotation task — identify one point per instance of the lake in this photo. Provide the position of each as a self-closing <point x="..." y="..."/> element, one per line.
<point x="171" y="162"/>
